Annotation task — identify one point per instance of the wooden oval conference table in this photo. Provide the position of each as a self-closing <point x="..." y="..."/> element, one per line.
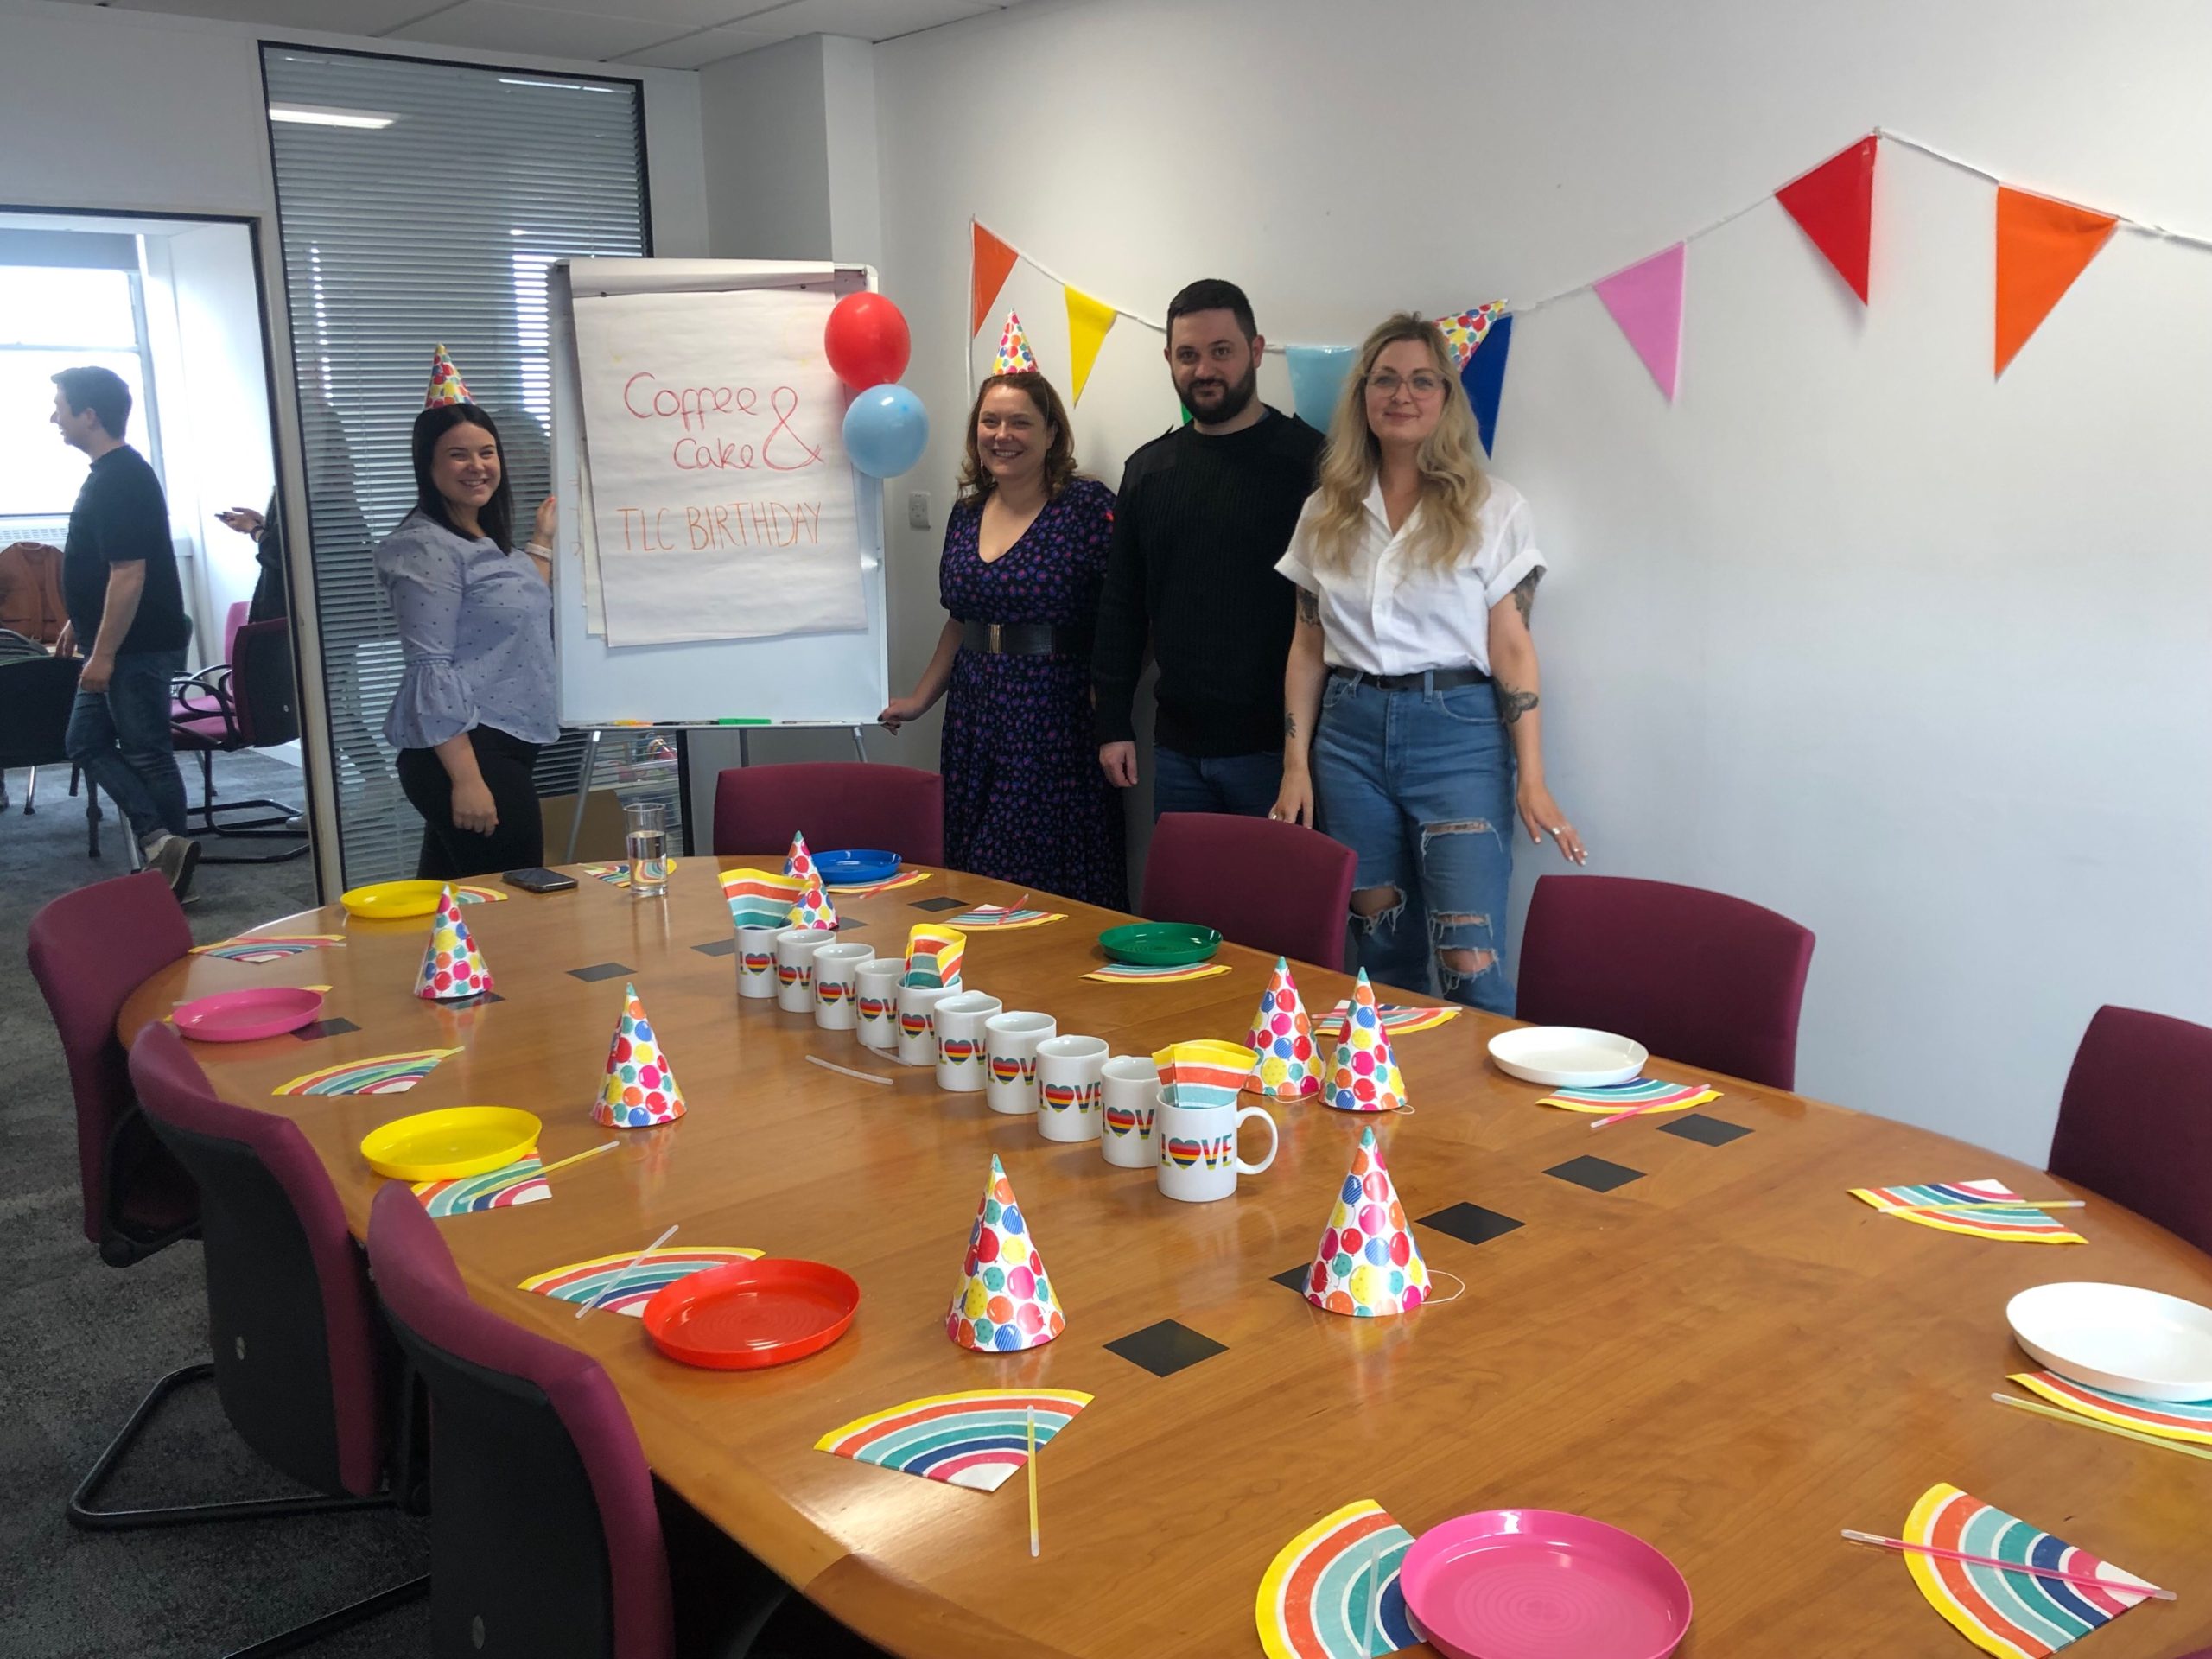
<point x="1726" y="1353"/>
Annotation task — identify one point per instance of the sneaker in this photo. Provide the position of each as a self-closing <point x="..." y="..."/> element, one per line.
<point x="175" y="857"/>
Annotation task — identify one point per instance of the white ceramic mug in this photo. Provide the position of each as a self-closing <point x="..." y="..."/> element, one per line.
<point x="875" y="1002"/>
<point x="795" y="949"/>
<point x="756" y="961"/>
<point x="1013" y="1039"/>
<point x="1068" y="1087"/>
<point x="1199" y="1161"/>
<point x="1129" y="1098"/>
<point x="963" y="1060"/>
<point x="917" y="1021"/>
<point x="835" y="987"/>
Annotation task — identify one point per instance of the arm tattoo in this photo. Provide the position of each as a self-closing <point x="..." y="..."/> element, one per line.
<point x="1309" y="607"/>
<point x="1524" y="592"/>
<point x="1289" y="724"/>
<point x="1512" y="704"/>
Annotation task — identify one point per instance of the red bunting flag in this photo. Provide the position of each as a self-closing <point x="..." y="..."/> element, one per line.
<point x="2041" y="246"/>
<point x="989" y="264"/>
<point x="1834" y="204"/>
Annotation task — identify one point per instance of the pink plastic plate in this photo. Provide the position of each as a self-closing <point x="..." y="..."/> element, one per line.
<point x="247" y="1016"/>
<point x="1535" y="1584"/>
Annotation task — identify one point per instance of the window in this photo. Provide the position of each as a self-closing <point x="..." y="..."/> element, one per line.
<point x="52" y="318"/>
<point x="429" y="220"/>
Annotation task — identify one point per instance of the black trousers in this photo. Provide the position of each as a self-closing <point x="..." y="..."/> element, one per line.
<point x="517" y="842"/>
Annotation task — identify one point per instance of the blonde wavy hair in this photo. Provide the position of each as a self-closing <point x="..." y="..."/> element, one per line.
<point x="1452" y="481"/>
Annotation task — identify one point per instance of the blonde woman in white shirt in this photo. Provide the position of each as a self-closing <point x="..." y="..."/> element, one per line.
<point x="1411" y="695"/>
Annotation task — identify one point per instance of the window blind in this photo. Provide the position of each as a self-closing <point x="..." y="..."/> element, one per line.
<point x="434" y="228"/>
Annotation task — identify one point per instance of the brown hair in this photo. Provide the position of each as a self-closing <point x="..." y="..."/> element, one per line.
<point x="976" y="483"/>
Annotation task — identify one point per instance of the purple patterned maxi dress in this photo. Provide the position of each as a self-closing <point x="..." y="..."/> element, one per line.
<point x="1023" y="799"/>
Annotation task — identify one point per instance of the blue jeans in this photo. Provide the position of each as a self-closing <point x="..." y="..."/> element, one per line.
<point x="120" y="738"/>
<point x="1420" y="784"/>
<point x="1243" y="784"/>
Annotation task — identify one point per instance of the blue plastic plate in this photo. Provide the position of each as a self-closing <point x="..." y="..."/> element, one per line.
<point x="851" y="867"/>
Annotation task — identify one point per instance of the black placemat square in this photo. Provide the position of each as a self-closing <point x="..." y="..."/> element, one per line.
<point x="1470" y="1223"/>
<point x="1705" y="1131"/>
<point x="845" y="927"/>
<point x="940" y="903"/>
<point x="336" y="1025"/>
<point x="482" y="1002"/>
<point x="718" y="947"/>
<point x="1295" y="1279"/>
<point x="1595" y="1173"/>
<point x="602" y="970"/>
<point x="1166" y="1348"/>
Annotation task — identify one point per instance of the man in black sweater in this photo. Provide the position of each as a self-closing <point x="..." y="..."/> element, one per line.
<point x="1203" y="514"/>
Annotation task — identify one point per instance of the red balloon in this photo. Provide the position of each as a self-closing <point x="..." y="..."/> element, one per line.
<point x="867" y="341"/>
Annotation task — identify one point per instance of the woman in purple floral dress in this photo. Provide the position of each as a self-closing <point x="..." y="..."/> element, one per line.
<point x="1024" y="554"/>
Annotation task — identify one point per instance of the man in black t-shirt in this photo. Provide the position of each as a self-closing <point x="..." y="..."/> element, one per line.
<point x="1203" y="515"/>
<point x="127" y="617"/>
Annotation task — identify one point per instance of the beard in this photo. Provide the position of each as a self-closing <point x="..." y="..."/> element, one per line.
<point x="1220" y="401"/>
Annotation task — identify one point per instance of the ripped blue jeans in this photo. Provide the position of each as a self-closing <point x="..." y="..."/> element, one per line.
<point x="1420" y="784"/>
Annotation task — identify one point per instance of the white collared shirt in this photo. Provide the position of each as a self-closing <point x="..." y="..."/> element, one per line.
<point x="1383" y="614"/>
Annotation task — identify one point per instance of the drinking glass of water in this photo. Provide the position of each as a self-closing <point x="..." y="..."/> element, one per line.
<point x="647" y="842"/>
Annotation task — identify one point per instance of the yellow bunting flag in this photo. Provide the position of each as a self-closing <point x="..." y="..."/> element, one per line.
<point x="1088" y="322"/>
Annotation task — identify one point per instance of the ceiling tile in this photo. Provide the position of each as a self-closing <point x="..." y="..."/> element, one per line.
<point x="708" y="46"/>
<point x="675" y="16"/>
<point x="868" y="20"/>
<point x="334" y="16"/>
<point x="494" y="25"/>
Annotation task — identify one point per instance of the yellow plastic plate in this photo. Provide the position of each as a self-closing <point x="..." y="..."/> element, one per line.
<point x="391" y="901"/>
<point x="444" y="1145"/>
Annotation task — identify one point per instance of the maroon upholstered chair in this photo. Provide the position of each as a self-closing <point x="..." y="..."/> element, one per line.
<point x="89" y="950"/>
<point x="299" y="1365"/>
<point x="547" y="1531"/>
<point x="1697" y="978"/>
<point x="2135" y="1122"/>
<point x="1274" y="887"/>
<point x="248" y="702"/>
<point x="837" y="804"/>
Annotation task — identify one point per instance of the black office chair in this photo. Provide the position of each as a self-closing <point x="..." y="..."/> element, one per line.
<point x="37" y="692"/>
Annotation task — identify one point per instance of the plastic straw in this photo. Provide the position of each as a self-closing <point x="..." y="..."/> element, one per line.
<point x="2085" y="1580"/>
<point x="1033" y="1544"/>
<point x="847" y="1070"/>
<point x="606" y="1289"/>
<point x="577" y="1158"/>
<point x="2080" y="1421"/>
<point x="1635" y="1111"/>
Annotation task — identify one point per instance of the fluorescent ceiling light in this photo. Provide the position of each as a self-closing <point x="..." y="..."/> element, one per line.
<point x="317" y="115"/>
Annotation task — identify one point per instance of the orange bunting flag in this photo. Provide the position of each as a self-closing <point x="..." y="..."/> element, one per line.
<point x="2041" y="246"/>
<point x="989" y="264"/>
<point x="1088" y="322"/>
<point x="1833" y="204"/>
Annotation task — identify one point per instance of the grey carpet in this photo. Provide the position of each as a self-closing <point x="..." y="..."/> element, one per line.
<point x="80" y="1342"/>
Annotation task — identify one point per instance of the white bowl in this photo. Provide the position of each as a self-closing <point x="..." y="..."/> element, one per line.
<point x="2141" y="1343"/>
<point x="1568" y="1057"/>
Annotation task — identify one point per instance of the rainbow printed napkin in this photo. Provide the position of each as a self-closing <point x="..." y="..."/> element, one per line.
<point x="1997" y="1211"/>
<point x="618" y="875"/>
<point x="520" y="1182"/>
<point x="2011" y="1615"/>
<point x="469" y="892"/>
<point x="1638" y="1095"/>
<point x="1004" y="915"/>
<point x="1130" y="972"/>
<point x="1208" y="1073"/>
<point x="934" y="953"/>
<point x="1397" y="1018"/>
<point x="758" y="898"/>
<point x="978" y="1438"/>
<point x="269" y="947"/>
<point x="1314" y="1596"/>
<point x="579" y="1282"/>
<point x="383" y="1074"/>
<point x="2186" y="1420"/>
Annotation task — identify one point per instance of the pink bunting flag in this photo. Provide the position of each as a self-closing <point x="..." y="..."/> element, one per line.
<point x="1646" y="300"/>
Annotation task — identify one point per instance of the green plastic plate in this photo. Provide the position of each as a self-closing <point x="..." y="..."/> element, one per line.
<point x="1159" y="944"/>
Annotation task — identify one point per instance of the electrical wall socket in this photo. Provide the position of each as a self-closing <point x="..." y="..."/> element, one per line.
<point x="918" y="509"/>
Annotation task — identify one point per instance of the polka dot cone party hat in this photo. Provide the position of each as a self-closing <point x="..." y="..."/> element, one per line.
<point x="1365" y="1077"/>
<point x="453" y="968"/>
<point x="1004" y="1302"/>
<point x="1015" y="356"/>
<point x="445" y="382"/>
<point x="1463" y="330"/>
<point x="812" y="907"/>
<point x="798" y="861"/>
<point x="1367" y="1265"/>
<point x="1282" y="1036"/>
<point x="639" y="1091"/>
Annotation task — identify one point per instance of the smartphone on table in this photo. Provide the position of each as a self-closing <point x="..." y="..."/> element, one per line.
<point x="539" y="881"/>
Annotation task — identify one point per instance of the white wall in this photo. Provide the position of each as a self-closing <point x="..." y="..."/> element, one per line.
<point x="1918" y="659"/>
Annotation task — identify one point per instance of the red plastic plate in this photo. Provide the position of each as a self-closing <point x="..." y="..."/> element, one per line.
<point x="752" y="1314"/>
<point x="247" y="1016"/>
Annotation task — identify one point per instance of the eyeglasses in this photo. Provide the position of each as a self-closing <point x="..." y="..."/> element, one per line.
<point x="1388" y="381"/>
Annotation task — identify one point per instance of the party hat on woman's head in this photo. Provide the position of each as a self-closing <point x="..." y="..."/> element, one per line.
<point x="1365" y="1077"/>
<point x="445" y="382"/>
<point x="1282" y="1036"/>
<point x="1015" y="356"/>
<point x="1367" y="1265"/>
<point x="453" y="968"/>
<point x="1463" y="330"/>
<point x="798" y="861"/>
<point x="1003" y="1303"/>
<point x="639" y="1091"/>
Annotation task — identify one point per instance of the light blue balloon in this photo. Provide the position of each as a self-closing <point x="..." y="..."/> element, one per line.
<point x="886" y="429"/>
<point x="1317" y="379"/>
